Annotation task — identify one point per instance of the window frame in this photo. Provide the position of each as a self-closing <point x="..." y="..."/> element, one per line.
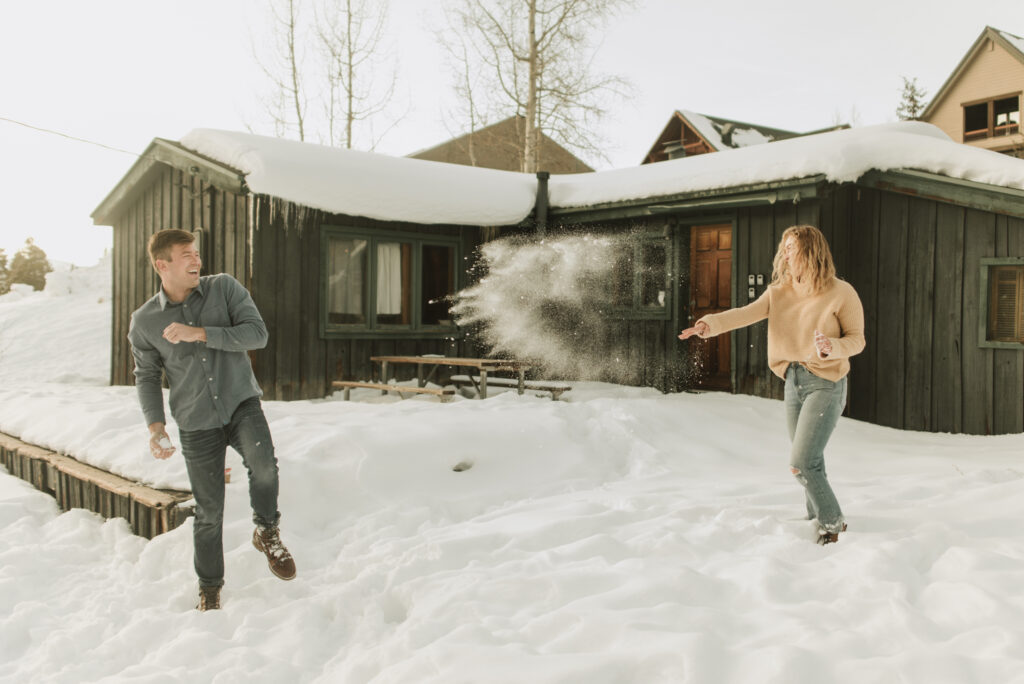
<point x="637" y="310"/>
<point x="990" y="130"/>
<point x="987" y="263"/>
<point x="371" y="327"/>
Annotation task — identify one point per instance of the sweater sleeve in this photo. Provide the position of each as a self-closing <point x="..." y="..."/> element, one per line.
<point x="851" y="325"/>
<point x="740" y="317"/>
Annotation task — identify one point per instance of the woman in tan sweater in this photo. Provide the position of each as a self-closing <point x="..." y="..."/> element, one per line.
<point x="815" y="324"/>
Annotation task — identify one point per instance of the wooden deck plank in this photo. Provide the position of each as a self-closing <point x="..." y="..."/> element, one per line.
<point x="74" y="484"/>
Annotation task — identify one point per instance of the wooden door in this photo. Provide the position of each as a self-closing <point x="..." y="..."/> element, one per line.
<point x="710" y="292"/>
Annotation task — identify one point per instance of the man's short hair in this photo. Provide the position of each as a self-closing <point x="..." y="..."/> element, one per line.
<point x="161" y="242"/>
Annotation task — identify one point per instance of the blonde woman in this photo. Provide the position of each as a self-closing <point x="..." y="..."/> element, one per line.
<point x="815" y="324"/>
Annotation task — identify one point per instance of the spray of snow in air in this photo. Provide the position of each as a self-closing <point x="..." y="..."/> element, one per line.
<point x="551" y="302"/>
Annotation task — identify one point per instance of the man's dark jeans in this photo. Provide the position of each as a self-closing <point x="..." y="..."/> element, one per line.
<point x="204" y="452"/>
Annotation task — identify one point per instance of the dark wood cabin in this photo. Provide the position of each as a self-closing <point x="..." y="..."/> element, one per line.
<point x="927" y="254"/>
<point x="938" y="263"/>
<point x="281" y="252"/>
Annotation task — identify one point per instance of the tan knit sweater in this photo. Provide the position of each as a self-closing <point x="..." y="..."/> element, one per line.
<point x="793" y="317"/>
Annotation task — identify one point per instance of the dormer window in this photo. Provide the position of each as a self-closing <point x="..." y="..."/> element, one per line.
<point x="992" y="118"/>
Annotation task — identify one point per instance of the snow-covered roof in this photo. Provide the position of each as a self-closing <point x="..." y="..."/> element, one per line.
<point x="376" y="186"/>
<point x="401" y="189"/>
<point x="1015" y="41"/>
<point x="724" y="134"/>
<point x="841" y="156"/>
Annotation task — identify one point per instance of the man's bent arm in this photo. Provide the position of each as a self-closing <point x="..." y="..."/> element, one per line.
<point x="247" y="330"/>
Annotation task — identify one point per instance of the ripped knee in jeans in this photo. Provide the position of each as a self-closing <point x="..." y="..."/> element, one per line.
<point x="798" y="474"/>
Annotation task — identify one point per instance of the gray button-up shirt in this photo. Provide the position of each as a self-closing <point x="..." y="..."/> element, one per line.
<point x="208" y="380"/>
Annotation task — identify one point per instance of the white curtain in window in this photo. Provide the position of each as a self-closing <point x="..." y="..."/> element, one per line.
<point x="345" y="283"/>
<point x="389" y="278"/>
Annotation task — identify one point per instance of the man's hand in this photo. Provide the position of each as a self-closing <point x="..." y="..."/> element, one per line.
<point x="700" y="329"/>
<point x="179" y="332"/>
<point x="159" y="443"/>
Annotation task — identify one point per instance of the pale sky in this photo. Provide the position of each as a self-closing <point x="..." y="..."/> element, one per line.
<point x="121" y="72"/>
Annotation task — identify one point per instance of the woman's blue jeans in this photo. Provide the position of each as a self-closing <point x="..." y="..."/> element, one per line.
<point x="204" y="451"/>
<point x="813" y="407"/>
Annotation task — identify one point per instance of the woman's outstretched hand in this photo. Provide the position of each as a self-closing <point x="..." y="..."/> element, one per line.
<point x="700" y="329"/>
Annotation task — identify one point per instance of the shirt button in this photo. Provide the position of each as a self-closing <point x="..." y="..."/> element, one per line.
<point x="211" y="379"/>
<point x="214" y="396"/>
<point x="204" y="360"/>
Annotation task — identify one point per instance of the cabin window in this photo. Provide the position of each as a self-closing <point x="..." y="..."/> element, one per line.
<point x="992" y="118"/>
<point x="438" y="283"/>
<point x="387" y="284"/>
<point x="346" y="281"/>
<point x="1002" y="282"/>
<point x="394" y="283"/>
<point x="640" y="278"/>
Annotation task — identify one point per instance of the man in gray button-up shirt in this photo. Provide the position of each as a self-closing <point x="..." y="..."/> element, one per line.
<point x="197" y="331"/>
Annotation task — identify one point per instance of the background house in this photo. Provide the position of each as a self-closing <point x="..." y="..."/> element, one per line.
<point x="347" y="254"/>
<point x="500" y="146"/>
<point x="688" y="133"/>
<point x="980" y="102"/>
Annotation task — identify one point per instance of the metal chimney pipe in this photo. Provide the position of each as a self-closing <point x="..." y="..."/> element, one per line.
<point x="542" y="203"/>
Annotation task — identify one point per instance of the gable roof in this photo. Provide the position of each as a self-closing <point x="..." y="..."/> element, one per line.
<point x="158" y="154"/>
<point x="499" y="146"/>
<point x="717" y="133"/>
<point x="1014" y="45"/>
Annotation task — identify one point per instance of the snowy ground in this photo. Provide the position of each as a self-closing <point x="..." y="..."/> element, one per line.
<point x="619" y="536"/>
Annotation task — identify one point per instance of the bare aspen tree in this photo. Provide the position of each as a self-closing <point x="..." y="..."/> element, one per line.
<point x="538" y="55"/>
<point x="466" y="87"/>
<point x="351" y="34"/>
<point x="286" y="103"/>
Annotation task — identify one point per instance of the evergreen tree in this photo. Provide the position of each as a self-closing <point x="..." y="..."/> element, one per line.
<point x="5" y="285"/>
<point x="30" y="266"/>
<point x="912" y="101"/>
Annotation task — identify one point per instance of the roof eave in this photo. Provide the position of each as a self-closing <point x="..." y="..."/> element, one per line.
<point x="757" y="194"/>
<point x="169" y="153"/>
<point x="931" y="186"/>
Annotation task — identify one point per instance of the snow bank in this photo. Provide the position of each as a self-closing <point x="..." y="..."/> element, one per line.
<point x="62" y="333"/>
<point x="841" y="156"/>
<point x="376" y="186"/>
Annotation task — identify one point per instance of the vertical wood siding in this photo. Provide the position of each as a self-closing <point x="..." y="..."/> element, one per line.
<point x="913" y="261"/>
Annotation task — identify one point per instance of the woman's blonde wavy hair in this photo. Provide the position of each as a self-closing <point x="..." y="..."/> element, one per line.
<point x="819" y="269"/>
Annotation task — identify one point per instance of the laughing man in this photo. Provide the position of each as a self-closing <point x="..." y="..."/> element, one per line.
<point x="197" y="331"/>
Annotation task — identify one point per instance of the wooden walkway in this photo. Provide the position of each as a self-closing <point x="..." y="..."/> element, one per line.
<point x="74" y="484"/>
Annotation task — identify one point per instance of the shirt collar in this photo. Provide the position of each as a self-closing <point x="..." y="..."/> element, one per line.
<point x="165" y="300"/>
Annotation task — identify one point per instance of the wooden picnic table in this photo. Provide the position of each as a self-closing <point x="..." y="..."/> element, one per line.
<point x="483" y="366"/>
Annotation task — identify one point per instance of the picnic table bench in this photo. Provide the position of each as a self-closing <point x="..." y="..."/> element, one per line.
<point x="483" y="367"/>
<point x="554" y="388"/>
<point x="348" y="385"/>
